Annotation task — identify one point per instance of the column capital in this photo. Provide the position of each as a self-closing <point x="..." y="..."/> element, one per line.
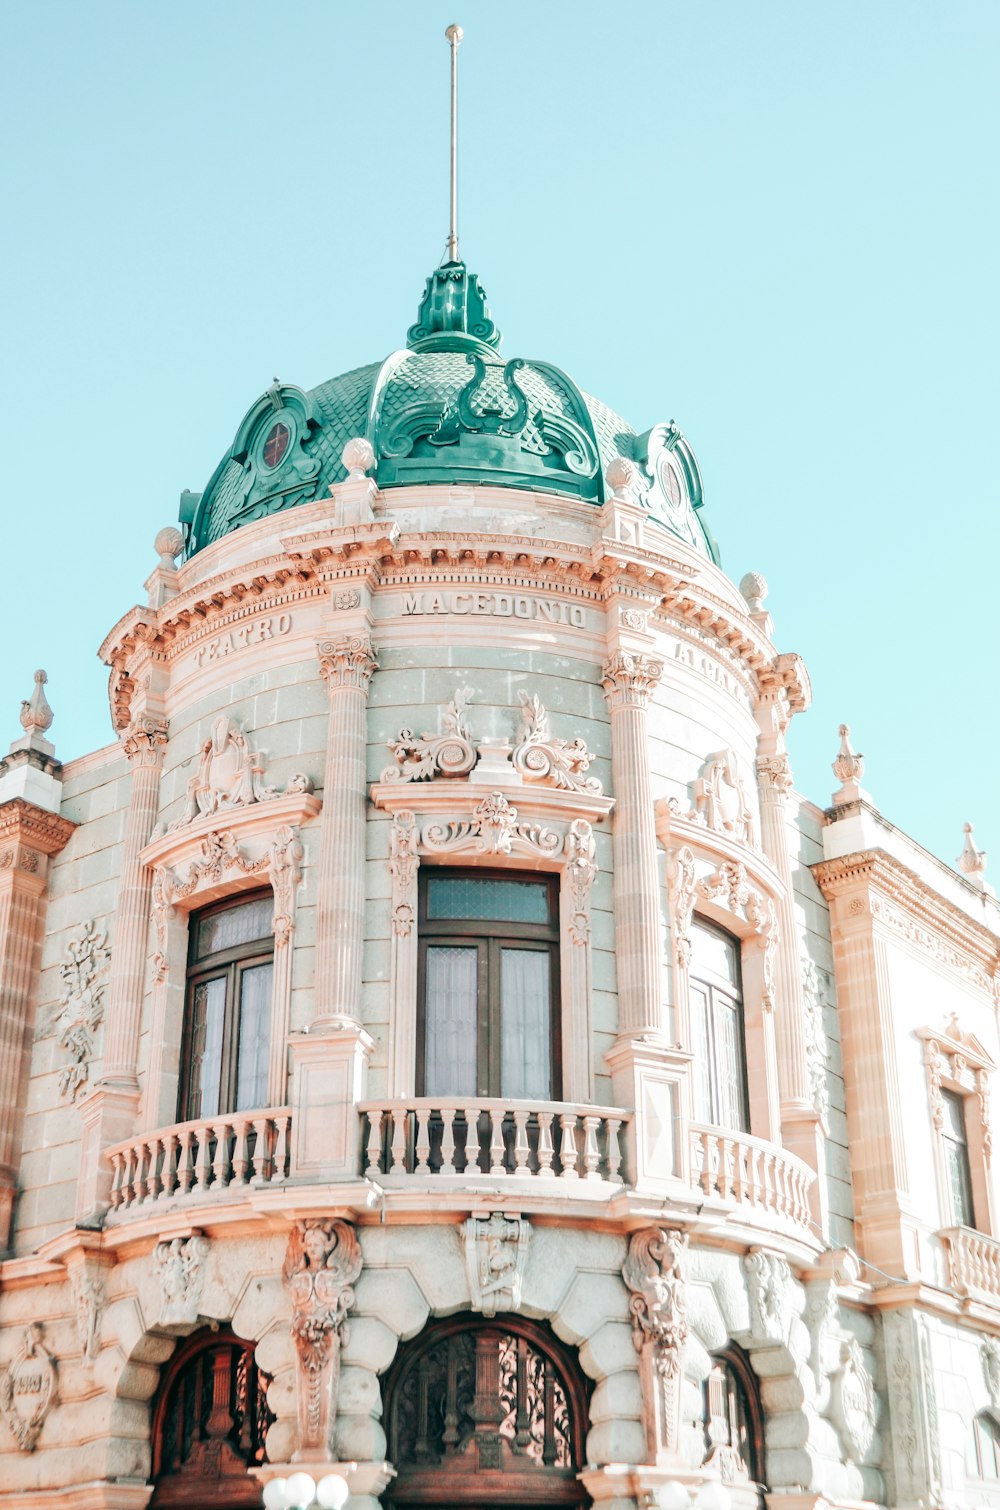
<point x="629" y="678"/>
<point x="774" y="774"/>
<point x="28" y="830"/>
<point x="143" y="741"/>
<point x="348" y="661"/>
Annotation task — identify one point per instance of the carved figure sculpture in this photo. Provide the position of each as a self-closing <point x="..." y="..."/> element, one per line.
<point x="322" y="1263"/>
<point x="496" y="1250"/>
<point x="654" y="1271"/>
<point x="721" y="800"/>
<point x="769" y="1284"/>
<point x="180" y="1268"/>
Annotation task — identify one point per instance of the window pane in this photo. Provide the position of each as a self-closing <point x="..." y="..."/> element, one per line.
<point x="208" y="1011"/>
<point x="235" y="925"/>
<point x="525" y="1034"/>
<point x="452" y="1003"/>
<point x="954" y="1115"/>
<point x="713" y="954"/>
<point x="701" y="1045"/>
<point x="729" y="1050"/>
<point x="487" y="897"/>
<point x="959" y="1182"/>
<point x="255" y="1025"/>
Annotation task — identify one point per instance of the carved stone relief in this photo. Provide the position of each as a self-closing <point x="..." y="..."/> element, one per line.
<point x="493" y="830"/>
<point x="814" y="993"/>
<point x="721" y="800"/>
<point x="404" y="860"/>
<point x="285" y="874"/>
<point x="538" y="756"/>
<point x="581" y="872"/>
<point x="989" y="1356"/>
<point x="682" y="891"/>
<point x="655" y="1273"/>
<point x="496" y="1250"/>
<point x="180" y="1269"/>
<point x="89" y="1299"/>
<point x="81" y="1006"/>
<point x="853" y="1403"/>
<point x="230" y="775"/>
<point x="449" y="753"/>
<point x="769" y="1286"/>
<point x="321" y="1266"/>
<point x="28" y="1389"/>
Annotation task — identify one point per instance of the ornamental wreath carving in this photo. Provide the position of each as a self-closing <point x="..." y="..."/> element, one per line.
<point x="321" y="1266"/>
<point x="230" y="775"/>
<point x="538" y="756"/>
<point x="496" y="1250"/>
<point x="81" y="1006"/>
<point x="180" y="1269"/>
<point x="449" y="753"/>
<point x="28" y="1389"/>
<point x="655" y="1273"/>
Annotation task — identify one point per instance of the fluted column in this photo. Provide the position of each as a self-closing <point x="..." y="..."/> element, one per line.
<point x="347" y="665"/>
<point x="774" y="782"/>
<point x="628" y="680"/>
<point x="143" y="744"/>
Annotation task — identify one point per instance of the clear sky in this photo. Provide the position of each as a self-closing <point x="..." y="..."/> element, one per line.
<point x="775" y="223"/>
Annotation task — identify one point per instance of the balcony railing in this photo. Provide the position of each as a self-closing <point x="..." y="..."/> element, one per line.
<point x="736" y="1167"/>
<point x="973" y="1264"/>
<point x="547" y="1140"/>
<point x="195" y="1158"/>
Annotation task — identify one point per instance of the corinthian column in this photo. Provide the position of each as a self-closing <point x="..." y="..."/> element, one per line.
<point x="774" y="782"/>
<point x="628" y="680"/>
<point x="347" y="665"/>
<point x="143" y="744"/>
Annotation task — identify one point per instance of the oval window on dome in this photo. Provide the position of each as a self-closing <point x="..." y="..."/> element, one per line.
<point x="276" y="444"/>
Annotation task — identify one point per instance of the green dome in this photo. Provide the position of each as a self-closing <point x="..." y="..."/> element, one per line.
<point x="447" y="409"/>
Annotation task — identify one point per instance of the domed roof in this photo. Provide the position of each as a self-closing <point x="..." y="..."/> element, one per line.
<point x="448" y="408"/>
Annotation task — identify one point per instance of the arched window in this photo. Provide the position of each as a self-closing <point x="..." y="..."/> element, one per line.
<point x="210" y="1418"/>
<point x="719" y="1069"/>
<point x="488" y="985"/>
<point x="734" y="1421"/>
<point x="483" y="1413"/>
<point x="227" y="1020"/>
<point x="982" y="1457"/>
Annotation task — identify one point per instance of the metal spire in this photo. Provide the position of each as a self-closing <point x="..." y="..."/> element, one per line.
<point x="454" y="35"/>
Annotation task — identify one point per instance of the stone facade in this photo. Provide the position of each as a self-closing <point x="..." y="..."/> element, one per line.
<point x="323" y="706"/>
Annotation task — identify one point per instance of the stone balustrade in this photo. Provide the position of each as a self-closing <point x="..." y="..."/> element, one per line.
<point x="497" y="1138"/>
<point x="197" y="1158"/>
<point x="973" y="1264"/>
<point x="733" y="1166"/>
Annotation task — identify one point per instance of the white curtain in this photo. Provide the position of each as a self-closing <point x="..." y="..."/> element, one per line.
<point x="452" y="1011"/>
<point x="255" y="1033"/>
<point x="526" y="1050"/>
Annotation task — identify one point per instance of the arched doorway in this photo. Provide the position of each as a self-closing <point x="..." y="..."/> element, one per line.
<point x="482" y="1413"/>
<point x="733" y="1420"/>
<point x="210" y="1418"/>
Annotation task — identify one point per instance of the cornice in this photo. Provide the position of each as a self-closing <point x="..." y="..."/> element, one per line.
<point x="255" y="822"/>
<point x="23" y="823"/>
<point x="909" y="907"/>
<point x="451" y="798"/>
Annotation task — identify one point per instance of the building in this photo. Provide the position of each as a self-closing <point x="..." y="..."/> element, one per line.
<point x="438" y="1043"/>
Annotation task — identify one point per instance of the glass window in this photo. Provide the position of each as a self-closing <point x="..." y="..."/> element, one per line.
<point x="982" y="1460"/>
<point x="720" y="1077"/>
<point x="488" y="958"/>
<point x="227" y="1025"/>
<point x="956" y="1158"/>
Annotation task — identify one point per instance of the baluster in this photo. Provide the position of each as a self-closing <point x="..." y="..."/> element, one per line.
<point x="566" y="1121"/>
<point x="767" y="1182"/>
<point x="614" y="1150"/>
<point x="545" y="1150"/>
<point x="221" y="1167"/>
<point x="498" y="1149"/>
<point x="711" y="1163"/>
<point x="374" y="1152"/>
<point x="185" y="1162"/>
<point x="521" y="1145"/>
<point x="781" y="1185"/>
<point x="421" y="1141"/>
<point x="117" y="1174"/>
<point x="399" y="1120"/>
<point x="139" y="1171"/>
<point x="758" y="1195"/>
<point x="152" y="1146"/>
<point x="169" y="1181"/>
<point x="203" y="1157"/>
<point x="591" y="1153"/>
<point x="280" y="1167"/>
<point x="742" y="1156"/>
<point x="448" y="1114"/>
<point x="241" y="1155"/>
<point x="258" y="1159"/>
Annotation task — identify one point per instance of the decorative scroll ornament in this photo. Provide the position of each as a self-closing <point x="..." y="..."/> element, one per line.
<point x="654" y="1271"/>
<point x="89" y="1299"/>
<point x="721" y="800"/>
<point x="492" y="830"/>
<point x="28" y="1389"/>
<point x="404" y="858"/>
<point x="496" y="1251"/>
<point x="817" y="1053"/>
<point x="321" y="1266"/>
<point x="347" y="662"/>
<point x="682" y="889"/>
<point x="180" y="1269"/>
<point x="285" y="874"/>
<point x="730" y="885"/>
<point x="989" y="1357"/>
<point x="539" y="757"/>
<point x="230" y="775"/>
<point x="629" y="679"/>
<point x="769" y="1282"/>
<point x="449" y="753"/>
<point x="81" y="1007"/>
<point x="775" y="771"/>
<point x="36" y="716"/>
<point x="219" y="853"/>
<point x="581" y="872"/>
<point x="143" y="741"/>
<point x="853" y="1403"/>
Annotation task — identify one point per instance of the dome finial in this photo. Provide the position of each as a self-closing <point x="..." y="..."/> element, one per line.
<point x="454" y="35"/>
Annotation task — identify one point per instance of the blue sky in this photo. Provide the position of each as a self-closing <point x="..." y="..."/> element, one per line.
<point x="775" y="223"/>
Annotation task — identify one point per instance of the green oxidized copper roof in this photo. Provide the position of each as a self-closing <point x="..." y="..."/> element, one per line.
<point x="447" y="408"/>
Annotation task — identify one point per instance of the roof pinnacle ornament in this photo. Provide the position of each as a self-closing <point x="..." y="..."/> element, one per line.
<point x="972" y="861"/>
<point x="454" y="34"/>
<point x="849" y="769"/>
<point x="36" y="719"/>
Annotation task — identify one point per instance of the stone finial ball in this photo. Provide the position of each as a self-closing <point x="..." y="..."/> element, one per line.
<point x="358" y="456"/>
<point x="620" y="473"/>
<point x="168" y="544"/>
<point x="754" y="588"/>
<point x="454" y="33"/>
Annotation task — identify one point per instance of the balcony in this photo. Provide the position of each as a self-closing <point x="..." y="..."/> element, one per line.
<point x="973" y="1264"/>
<point x="209" y="1158"/>
<point x="760" y="1179"/>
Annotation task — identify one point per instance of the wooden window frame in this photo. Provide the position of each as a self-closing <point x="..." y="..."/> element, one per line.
<point x="228" y="964"/>
<point x="490" y="936"/>
<point x="958" y="1063"/>
<point x="716" y="987"/>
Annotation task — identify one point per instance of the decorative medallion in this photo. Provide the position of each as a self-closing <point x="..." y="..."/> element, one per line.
<point x="853" y="1405"/>
<point x="28" y="1389"/>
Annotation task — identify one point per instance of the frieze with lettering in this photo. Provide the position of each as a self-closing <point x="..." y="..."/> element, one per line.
<point x="501" y="605"/>
<point x="254" y="632"/>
